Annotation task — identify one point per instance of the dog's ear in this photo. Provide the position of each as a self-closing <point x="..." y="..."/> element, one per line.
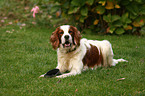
<point x="77" y="35"/>
<point x="54" y="39"/>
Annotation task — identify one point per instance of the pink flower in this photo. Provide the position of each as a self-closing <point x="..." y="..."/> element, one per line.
<point x="2" y="21"/>
<point x="5" y="17"/>
<point x="35" y="10"/>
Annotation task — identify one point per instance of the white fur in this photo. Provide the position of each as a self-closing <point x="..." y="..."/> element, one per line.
<point x="65" y="29"/>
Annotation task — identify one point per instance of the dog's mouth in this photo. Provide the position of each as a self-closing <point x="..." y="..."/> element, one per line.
<point x="67" y="44"/>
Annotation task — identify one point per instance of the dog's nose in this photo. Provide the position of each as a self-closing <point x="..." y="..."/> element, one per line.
<point x="66" y="36"/>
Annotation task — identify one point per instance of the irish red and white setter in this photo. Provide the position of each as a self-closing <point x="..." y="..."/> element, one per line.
<point x="75" y="54"/>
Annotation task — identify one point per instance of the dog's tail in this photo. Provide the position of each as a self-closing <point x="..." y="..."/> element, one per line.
<point x="116" y="61"/>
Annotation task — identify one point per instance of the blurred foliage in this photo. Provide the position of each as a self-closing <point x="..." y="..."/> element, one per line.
<point x="108" y="16"/>
<point x="104" y="16"/>
<point x="19" y="12"/>
<point x="16" y="10"/>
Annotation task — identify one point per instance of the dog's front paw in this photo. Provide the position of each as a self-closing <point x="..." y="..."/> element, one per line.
<point x="61" y="76"/>
<point x="41" y="76"/>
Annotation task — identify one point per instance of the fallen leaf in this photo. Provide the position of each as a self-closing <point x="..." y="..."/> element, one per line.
<point x="58" y="81"/>
<point x="120" y="79"/>
<point x="76" y="90"/>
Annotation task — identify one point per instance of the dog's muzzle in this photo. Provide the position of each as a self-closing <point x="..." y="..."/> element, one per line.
<point x="67" y="44"/>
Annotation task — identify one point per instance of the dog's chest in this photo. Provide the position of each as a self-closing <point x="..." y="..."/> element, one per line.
<point x="66" y="61"/>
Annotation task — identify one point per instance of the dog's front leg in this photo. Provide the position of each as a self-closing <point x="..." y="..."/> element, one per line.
<point x="76" y="67"/>
<point x="62" y="68"/>
<point x="72" y="73"/>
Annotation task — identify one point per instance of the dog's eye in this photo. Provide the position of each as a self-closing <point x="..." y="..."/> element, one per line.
<point x="70" y="32"/>
<point x="61" y="33"/>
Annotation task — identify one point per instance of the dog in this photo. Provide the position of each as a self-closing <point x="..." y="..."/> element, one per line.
<point x="76" y="54"/>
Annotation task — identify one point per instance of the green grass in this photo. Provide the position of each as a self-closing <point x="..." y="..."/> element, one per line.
<point x="26" y="53"/>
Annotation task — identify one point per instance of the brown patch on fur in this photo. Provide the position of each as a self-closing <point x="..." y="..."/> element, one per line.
<point x="75" y="34"/>
<point x="92" y="57"/>
<point x="54" y="39"/>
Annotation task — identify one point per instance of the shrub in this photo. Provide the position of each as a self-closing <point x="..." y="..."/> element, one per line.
<point x="108" y="16"/>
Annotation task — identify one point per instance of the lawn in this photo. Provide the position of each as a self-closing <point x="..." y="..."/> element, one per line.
<point x="26" y="53"/>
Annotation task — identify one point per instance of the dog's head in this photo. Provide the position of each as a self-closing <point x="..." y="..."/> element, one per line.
<point x="65" y="36"/>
